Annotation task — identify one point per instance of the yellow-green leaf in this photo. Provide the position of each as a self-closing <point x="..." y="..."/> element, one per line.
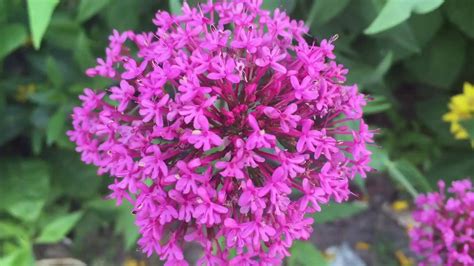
<point x="88" y="8"/>
<point x="39" y="13"/>
<point x="13" y="36"/>
<point x="57" y="229"/>
<point x="395" y="12"/>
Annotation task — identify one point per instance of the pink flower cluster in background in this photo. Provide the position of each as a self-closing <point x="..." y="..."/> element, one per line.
<point x="444" y="233"/>
<point x="225" y="128"/>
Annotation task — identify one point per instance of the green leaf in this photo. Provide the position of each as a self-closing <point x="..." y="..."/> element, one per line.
<point x="335" y="211"/>
<point x="414" y="175"/>
<point x="68" y="173"/>
<point x="22" y="256"/>
<point x="27" y="210"/>
<point x="270" y="4"/>
<point x="3" y="11"/>
<point x="39" y="13"/>
<point x="430" y="111"/>
<point x="56" y="126"/>
<point x="53" y="72"/>
<point x="397" y="171"/>
<point x="323" y="11"/>
<point x="13" y="121"/>
<point x="126" y="225"/>
<point x="460" y="13"/>
<point x="379" y="157"/>
<point x="24" y="187"/>
<point x="57" y="229"/>
<point x="425" y="26"/>
<point x="468" y="125"/>
<point x="401" y="38"/>
<point x="36" y="141"/>
<point x="377" y="105"/>
<point x="101" y="205"/>
<point x="82" y="53"/>
<point x="287" y="5"/>
<point x="305" y="254"/>
<point x="63" y="31"/>
<point x="380" y="71"/>
<point x="175" y="7"/>
<point x="116" y="19"/>
<point x="88" y="8"/>
<point x="12" y="230"/>
<point x="395" y="12"/>
<point x="14" y="36"/>
<point x="453" y="164"/>
<point x="441" y="62"/>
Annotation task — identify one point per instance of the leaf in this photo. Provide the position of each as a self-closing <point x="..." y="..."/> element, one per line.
<point x="36" y="141"/>
<point x="453" y="164"/>
<point x="15" y="35"/>
<point x="175" y="7"/>
<point x="27" y="210"/>
<point x="305" y="254"/>
<point x="425" y="27"/>
<point x="102" y="205"/>
<point x="88" y="8"/>
<point x="414" y="175"/>
<point x="57" y="229"/>
<point x="395" y="12"/>
<point x="461" y="13"/>
<point x="63" y="31"/>
<point x="82" y="53"/>
<point x="13" y="121"/>
<point x="378" y="105"/>
<point x="126" y="225"/>
<point x="3" y="11"/>
<point x="12" y="230"/>
<point x="53" y="72"/>
<point x="441" y="62"/>
<point x="116" y="19"/>
<point x="323" y="11"/>
<point x="56" y="126"/>
<point x="398" y="173"/>
<point x="24" y="187"/>
<point x="401" y="38"/>
<point x="287" y="5"/>
<point x="468" y="125"/>
<point x="379" y="72"/>
<point x="429" y="112"/>
<point x="39" y="13"/>
<point x="22" y="256"/>
<point x="379" y="156"/>
<point x="68" y="173"/>
<point x="335" y="211"/>
<point x="270" y="4"/>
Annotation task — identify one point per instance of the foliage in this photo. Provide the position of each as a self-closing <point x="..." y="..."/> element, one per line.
<point x="409" y="57"/>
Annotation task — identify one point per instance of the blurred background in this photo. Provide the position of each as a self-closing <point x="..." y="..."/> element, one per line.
<point x="410" y="57"/>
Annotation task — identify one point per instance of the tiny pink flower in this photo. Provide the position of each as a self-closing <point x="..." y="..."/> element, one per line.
<point x="271" y="58"/>
<point x="224" y="68"/>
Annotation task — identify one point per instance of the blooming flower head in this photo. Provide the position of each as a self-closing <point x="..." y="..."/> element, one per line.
<point x="225" y="129"/>
<point x="461" y="108"/>
<point x="444" y="230"/>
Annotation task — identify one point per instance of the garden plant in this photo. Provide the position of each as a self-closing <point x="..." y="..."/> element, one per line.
<point x="246" y="132"/>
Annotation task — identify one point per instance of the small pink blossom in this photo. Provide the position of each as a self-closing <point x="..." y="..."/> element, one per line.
<point x="122" y="94"/>
<point x="271" y="58"/>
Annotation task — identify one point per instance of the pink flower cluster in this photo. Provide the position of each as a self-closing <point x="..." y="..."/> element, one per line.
<point x="444" y="233"/>
<point x="225" y="128"/>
